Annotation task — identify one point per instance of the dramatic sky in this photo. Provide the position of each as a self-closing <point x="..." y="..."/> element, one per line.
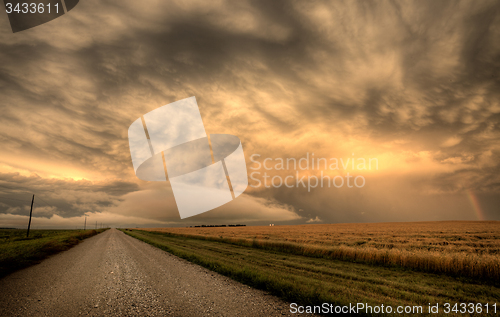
<point x="412" y="84"/>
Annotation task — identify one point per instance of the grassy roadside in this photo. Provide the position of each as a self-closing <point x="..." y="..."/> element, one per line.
<point x="310" y="280"/>
<point x="17" y="251"/>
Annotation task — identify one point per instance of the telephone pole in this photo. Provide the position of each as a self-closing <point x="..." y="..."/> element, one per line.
<point x="85" y="224"/>
<point x="31" y="212"/>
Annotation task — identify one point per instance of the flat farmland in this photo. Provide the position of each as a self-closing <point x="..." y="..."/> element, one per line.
<point x="448" y="236"/>
<point x="394" y="264"/>
<point x="459" y="248"/>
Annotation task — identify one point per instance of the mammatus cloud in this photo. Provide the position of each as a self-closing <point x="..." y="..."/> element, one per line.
<point x="414" y="84"/>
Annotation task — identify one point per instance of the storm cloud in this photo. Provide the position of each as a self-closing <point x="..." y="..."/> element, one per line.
<point x="415" y="84"/>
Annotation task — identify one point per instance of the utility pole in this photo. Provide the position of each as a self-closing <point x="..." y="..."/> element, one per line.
<point x="85" y="224"/>
<point x="31" y="212"/>
<point x="96" y="225"/>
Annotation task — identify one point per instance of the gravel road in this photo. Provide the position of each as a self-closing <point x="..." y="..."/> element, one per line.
<point x="113" y="274"/>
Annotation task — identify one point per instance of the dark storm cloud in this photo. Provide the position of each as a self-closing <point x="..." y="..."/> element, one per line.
<point x="419" y="78"/>
<point x="63" y="197"/>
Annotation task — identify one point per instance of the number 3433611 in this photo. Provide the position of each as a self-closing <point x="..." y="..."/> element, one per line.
<point x="31" y="8"/>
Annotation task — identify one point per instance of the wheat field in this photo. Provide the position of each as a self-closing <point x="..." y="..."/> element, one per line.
<point x="461" y="248"/>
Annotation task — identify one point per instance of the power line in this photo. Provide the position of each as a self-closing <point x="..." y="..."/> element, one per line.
<point x="39" y="200"/>
<point x="45" y="203"/>
<point x="24" y="200"/>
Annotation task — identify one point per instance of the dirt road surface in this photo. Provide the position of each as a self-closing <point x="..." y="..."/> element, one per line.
<point x="113" y="274"/>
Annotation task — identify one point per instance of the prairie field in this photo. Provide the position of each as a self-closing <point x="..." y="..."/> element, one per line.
<point x="394" y="264"/>
<point x="460" y="248"/>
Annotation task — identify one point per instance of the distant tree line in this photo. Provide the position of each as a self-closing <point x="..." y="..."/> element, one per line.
<point x="215" y="226"/>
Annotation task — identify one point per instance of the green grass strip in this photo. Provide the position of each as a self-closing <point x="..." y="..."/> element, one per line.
<point x="17" y="251"/>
